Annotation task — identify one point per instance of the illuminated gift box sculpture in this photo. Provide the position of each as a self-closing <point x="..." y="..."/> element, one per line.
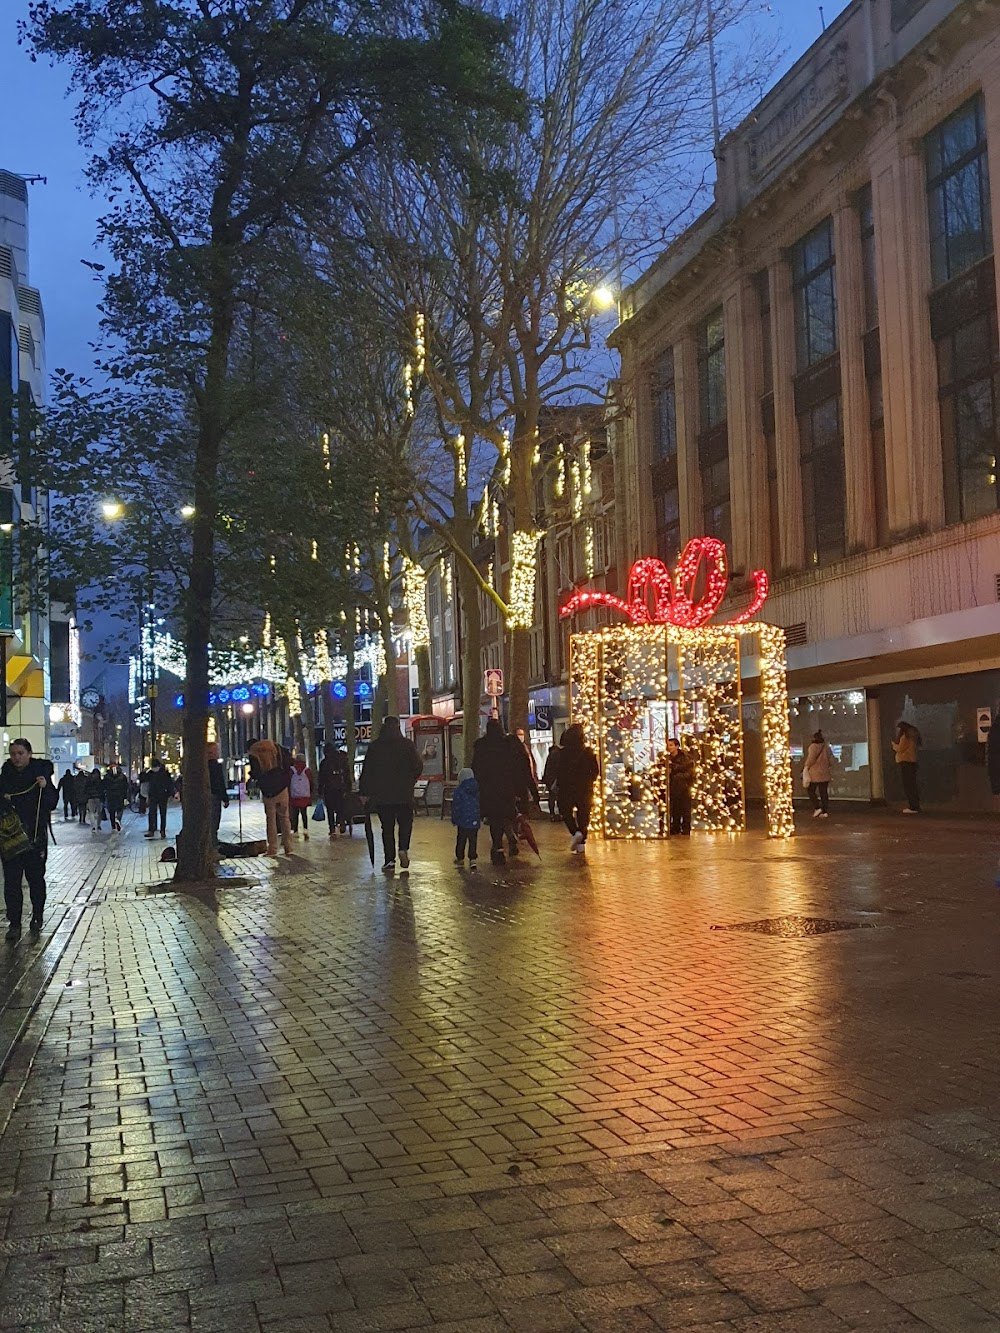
<point x="670" y="673"/>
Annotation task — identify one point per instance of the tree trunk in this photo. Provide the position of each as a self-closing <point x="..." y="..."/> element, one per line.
<point x="349" y="728"/>
<point x="424" y="686"/>
<point x="195" y="853"/>
<point x="472" y="666"/>
<point x="329" y="718"/>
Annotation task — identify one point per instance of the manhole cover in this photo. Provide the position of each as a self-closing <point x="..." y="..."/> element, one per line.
<point x="796" y="927"/>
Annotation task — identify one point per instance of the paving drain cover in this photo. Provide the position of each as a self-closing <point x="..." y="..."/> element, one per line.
<point x="796" y="927"/>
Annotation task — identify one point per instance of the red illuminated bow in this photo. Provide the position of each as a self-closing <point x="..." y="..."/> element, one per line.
<point x="673" y="598"/>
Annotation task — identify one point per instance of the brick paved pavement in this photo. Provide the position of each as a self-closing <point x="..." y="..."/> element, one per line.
<point x="550" y="1097"/>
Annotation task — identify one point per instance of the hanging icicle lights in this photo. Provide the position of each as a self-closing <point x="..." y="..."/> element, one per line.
<point x="523" y="559"/>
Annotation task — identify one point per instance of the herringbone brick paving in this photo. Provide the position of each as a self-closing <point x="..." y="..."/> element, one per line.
<point x="546" y="1097"/>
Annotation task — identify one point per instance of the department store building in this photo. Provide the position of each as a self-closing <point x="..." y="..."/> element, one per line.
<point x="812" y="373"/>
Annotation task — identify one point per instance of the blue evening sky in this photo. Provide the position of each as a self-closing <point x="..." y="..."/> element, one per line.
<point x="39" y="139"/>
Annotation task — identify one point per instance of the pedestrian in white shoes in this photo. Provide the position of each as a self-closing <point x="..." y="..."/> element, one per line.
<point x="817" y="773"/>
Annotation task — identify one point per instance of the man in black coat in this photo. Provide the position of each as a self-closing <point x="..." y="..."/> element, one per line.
<point x="392" y="766"/>
<point x="67" y="791"/>
<point x="504" y="777"/>
<point x="26" y="782"/>
<point x="115" y="795"/>
<point x="161" y="788"/>
<point x="80" y="790"/>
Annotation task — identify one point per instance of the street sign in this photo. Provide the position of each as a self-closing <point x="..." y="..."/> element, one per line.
<point x="493" y="682"/>
<point x="543" y="717"/>
<point x="984" y="721"/>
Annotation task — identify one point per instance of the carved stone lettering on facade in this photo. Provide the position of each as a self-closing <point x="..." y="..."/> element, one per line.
<point x="903" y="10"/>
<point x="799" y="112"/>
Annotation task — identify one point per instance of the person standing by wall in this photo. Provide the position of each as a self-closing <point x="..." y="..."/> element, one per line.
<point x="26" y="782"/>
<point x="270" y="769"/>
<point x="680" y="780"/>
<point x="392" y="766"/>
<point x="577" y="775"/>
<point x="906" y="747"/>
<point x="817" y="772"/>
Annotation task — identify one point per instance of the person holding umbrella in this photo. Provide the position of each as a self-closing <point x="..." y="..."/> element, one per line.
<point x="391" y="768"/>
<point x="27" y="784"/>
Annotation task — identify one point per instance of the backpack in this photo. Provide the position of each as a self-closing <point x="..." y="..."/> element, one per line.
<point x="299" y="786"/>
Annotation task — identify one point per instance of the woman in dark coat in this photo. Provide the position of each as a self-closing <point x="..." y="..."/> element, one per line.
<point x="577" y="773"/>
<point x="116" y="795"/>
<point x="334" y="781"/>
<point x="503" y="773"/>
<point x="27" y="784"/>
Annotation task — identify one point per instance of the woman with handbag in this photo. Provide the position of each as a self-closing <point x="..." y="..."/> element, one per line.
<point x="26" y="786"/>
<point x="816" y="774"/>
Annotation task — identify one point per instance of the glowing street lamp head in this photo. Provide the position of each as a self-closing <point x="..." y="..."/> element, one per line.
<point x="112" y="509"/>
<point x="604" y="298"/>
<point x="187" y="511"/>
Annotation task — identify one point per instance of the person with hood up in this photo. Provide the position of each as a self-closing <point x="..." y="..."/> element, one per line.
<point x="300" y="794"/>
<point x="95" y="798"/>
<point x="26" y="782"/>
<point x="906" y="745"/>
<point x="161" y="788"/>
<point x="466" y="816"/>
<point x="116" y="795"/>
<point x="272" y="773"/>
<point x="577" y="775"/>
<point x="67" y="790"/>
<point x="392" y="766"/>
<point x="499" y="770"/>
<point x="335" y="787"/>
<point x="80" y="791"/>
<point x="817" y="772"/>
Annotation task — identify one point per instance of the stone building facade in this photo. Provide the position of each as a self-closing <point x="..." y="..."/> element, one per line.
<point x="812" y="372"/>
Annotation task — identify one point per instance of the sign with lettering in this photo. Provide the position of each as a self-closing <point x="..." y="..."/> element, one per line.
<point x="798" y="111"/>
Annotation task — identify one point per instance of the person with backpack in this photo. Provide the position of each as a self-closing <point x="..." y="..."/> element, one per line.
<point x="300" y="795"/>
<point x="271" y="769"/>
<point x="115" y="795"/>
<point x="26" y="783"/>
<point x="161" y="788"/>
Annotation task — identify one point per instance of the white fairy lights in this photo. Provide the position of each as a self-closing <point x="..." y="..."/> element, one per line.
<point x="523" y="559"/>
<point x="415" y="597"/>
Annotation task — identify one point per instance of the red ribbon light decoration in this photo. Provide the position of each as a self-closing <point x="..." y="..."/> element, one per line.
<point x="673" y="598"/>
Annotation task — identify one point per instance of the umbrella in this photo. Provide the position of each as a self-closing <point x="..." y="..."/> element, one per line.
<point x="527" y="833"/>
<point x="370" y="836"/>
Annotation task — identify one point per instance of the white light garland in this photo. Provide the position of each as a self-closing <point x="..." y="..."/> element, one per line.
<point x="523" y="559"/>
<point x="415" y="596"/>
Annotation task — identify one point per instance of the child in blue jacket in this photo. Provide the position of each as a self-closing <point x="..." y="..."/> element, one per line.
<point x="466" y="817"/>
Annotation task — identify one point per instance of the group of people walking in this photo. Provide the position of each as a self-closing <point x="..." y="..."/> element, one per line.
<point x="290" y="790"/>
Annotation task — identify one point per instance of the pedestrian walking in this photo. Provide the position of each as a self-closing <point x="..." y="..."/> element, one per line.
<point x="26" y="782"/>
<point x="392" y="766"/>
<point x="95" y="798"/>
<point x="217" y="789"/>
<point x="161" y="788"/>
<point x="300" y="795"/>
<point x="466" y="816"/>
<point x="80" y="792"/>
<point x="500" y="773"/>
<point x="906" y="746"/>
<point x="270" y="768"/>
<point x="334" y="781"/>
<point x="67" y="792"/>
<point x="817" y="772"/>
<point x="577" y="775"/>
<point x="115" y="795"/>
<point x="521" y="737"/>
<point x="550" y="779"/>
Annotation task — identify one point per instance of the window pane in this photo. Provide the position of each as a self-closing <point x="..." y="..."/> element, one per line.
<point x="958" y="193"/>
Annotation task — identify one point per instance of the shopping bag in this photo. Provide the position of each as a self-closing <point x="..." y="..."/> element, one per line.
<point x="14" y="842"/>
<point x="319" y="812"/>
